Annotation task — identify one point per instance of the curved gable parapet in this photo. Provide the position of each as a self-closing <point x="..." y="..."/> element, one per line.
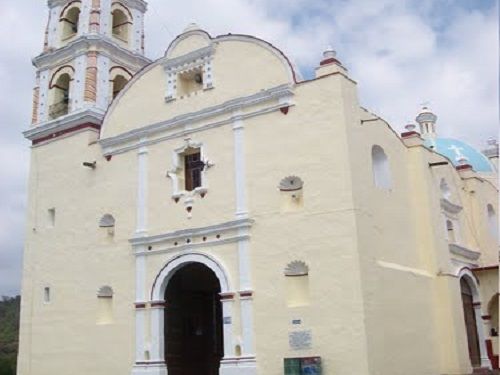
<point x="227" y="67"/>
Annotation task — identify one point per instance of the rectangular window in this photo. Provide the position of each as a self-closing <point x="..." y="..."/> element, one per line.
<point x="46" y="294"/>
<point x="192" y="170"/>
<point x="52" y="217"/>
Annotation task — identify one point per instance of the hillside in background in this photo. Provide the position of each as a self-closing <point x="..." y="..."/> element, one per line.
<point x="9" y="333"/>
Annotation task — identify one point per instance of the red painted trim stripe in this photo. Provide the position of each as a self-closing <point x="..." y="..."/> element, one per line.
<point x="329" y="61"/>
<point x="66" y="131"/>
<point x="409" y="134"/>
<point x="486" y="268"/>
<point x="463" y="167"/>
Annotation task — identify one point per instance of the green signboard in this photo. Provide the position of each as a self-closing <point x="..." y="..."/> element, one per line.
<point x="303" y="366"/>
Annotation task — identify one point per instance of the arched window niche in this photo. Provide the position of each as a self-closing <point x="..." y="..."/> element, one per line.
<point x="492" y="221"/>
<point x="445" y="189"/>
<point x="60" y="92"/>
<point x="297" y="284"/>
<point x="121" y="23"/>
<point x="381" y="169"/>
<point x="69" y="20"/>
<point x="105" y="305"/>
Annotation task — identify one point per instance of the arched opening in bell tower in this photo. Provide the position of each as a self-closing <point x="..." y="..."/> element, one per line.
<point x="69" y="22"/>
<point x="60" y="94"/>
<point x="118" y="84"/>
<point x="121" y="23"/>
<point x="193" y="322"/>
<point x="119" y="77"/>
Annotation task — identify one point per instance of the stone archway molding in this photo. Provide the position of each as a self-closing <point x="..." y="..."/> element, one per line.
<point x="156" y="365"/>
<point x="470" y="278"/>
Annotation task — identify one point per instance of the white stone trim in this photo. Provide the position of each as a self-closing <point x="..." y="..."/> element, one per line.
<point x="142" y="192"/>
<point x="118" y="143"/>
<point x="239" y="165"/>
<point x="464" y="252"/>
<point x="78" y="84"/>
<point x="157" y="313"/>
<point x="201" y="58"/>
<point x="476" y="298"/>
<point x="178" y="161"/>
<point x="103" y="84"/>
<point x="92" y="115"/>
<point x="161" y="282"/>
<point x="238" y="366"/>
<point x="192" y="232"/>
<point x="90" y="42"/>
<point x="43" y="101"/>
<point x="227" y="327"/>
<point x="84" y="21"/>
<point x="450" y="207"/>
<point x="54" y="36"/>
<point x="247" y="327"/>
<point x="162" y="249"/>
<point x="136" y="30"/>
<point x="399" y="267"/>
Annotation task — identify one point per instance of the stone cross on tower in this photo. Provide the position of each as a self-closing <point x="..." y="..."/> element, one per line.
<point x="91" y="50"/>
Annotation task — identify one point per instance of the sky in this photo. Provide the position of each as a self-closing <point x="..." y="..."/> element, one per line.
<point x="402" y="53"/>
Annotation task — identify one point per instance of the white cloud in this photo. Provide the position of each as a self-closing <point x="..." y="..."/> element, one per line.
<point x="401" y="53"/>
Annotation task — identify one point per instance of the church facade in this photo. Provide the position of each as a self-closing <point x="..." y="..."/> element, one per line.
<point x="212" y="212"/>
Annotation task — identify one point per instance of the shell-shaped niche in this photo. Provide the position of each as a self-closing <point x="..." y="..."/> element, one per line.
<point x="107" y="221"/>
<point x="297" y="268"/>
<point x="291" y="183"/>
<point x="105" y="292"/>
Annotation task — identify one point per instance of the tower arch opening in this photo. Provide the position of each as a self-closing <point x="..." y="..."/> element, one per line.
<point x="193" y="321"/>
<point x="70" y="19"/>
<point x="121" y="23"/>
<point x="59" y="94"/>
<point x="119" y="77"/>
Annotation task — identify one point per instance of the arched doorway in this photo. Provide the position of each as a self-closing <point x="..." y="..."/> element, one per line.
<point x="470" y="322"/>
<point x="193" y="322"/>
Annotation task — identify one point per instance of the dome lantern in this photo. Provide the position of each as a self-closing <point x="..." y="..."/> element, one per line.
<point x="427" y="121"/>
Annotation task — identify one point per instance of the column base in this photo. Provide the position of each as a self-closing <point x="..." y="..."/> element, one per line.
<point x="238" y="366"/>
<point x="150" y="369"/>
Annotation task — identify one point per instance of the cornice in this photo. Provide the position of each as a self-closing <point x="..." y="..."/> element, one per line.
<point x="449" y="207"/>
<point x="193" y="238"/>
<point x="111" y="145"/>
<point x="65" y="122"/>
<point x="54" y="3"/>
<point x="181" y="61"/>
<point x="140" y="5"/>
<point x="464" y="252"/>
<point x="85" y="43"/>
<point x="192" y="232"/>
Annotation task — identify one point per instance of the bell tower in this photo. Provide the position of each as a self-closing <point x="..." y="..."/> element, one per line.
<point x="92" y="48"/>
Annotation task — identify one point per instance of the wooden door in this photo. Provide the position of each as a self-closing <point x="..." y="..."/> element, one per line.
<point x="470" y="324"/>
<point x="193" y="323"/>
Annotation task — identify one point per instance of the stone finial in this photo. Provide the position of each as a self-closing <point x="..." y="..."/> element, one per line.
<point x="410" y="127"/>
<point x="191" y="27"/>
<point x="329" y="53"/>
<point x="329" y="57"/>
<point x="462" y="160"/>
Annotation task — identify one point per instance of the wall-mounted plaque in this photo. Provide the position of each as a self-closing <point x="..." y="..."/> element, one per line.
<point x="300" y="340"/>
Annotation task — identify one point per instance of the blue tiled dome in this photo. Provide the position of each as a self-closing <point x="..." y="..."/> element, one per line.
<point x="453" y="149"/>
